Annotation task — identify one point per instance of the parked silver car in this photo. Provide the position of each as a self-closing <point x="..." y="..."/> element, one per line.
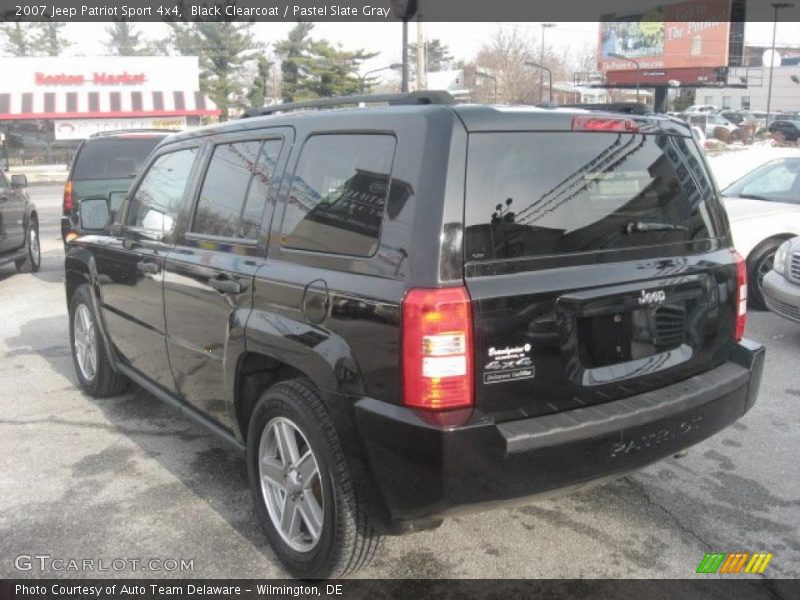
<point x="782" y="284"/>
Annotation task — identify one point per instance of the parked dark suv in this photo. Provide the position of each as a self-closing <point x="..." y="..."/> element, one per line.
<point x="104" y="166"/>
<point x="19" y="225"/>
<point x="403" y="311"/>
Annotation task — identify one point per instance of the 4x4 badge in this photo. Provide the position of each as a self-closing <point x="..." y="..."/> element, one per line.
<point x="652" y="297"/>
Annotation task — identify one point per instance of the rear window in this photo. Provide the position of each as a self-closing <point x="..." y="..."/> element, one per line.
<point x="113" y="158"/>
<point x="550" y="193"/>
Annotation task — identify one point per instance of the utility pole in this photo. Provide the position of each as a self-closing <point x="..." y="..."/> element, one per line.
<point x="404" y="10"/>
<point x="422" y="66"/>
<point x="545" y="27"/>
<point x="776" y="6"/>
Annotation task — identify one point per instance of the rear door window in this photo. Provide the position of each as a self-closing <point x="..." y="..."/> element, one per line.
<point x="235" y="189"/>
<point x="338" y="195"/>
<point x="545" y="193"/>
<point x="113" y="158"/>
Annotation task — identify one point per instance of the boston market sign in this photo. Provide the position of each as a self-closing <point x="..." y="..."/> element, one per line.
<point x="101" y="78"/>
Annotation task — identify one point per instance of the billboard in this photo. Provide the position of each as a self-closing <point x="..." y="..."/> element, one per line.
<point x="695" y="33"/>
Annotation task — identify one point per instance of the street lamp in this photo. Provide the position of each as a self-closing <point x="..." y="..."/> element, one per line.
<point x="493" y="78"/>
<point x="529" y="63"/>
<point x="545" y="27"/>
<point x="776" y="6"/>
<point x="363" y="78"/>
<point x="621" y="57"/>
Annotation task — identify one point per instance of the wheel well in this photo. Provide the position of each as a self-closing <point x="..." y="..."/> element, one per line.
<point x="73" y="279"/>
<point x="255" y="373"/>
<point x="768" y="242"/>
<point x="34" y="216"/>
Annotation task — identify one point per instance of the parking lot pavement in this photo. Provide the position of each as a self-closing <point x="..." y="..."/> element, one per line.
<point x="128" y="478"/>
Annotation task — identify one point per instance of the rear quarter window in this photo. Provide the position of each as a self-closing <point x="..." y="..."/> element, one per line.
<point x="113" y="158"/>
<point x="339" y="192"/>
<point x="551" y="193"/>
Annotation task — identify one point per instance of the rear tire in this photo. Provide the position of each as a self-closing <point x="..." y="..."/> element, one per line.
<point x="345" y="540"/>
<point x="92" y="366"/>
<point x="759" y="263"/>
<point x="33" y="250"/>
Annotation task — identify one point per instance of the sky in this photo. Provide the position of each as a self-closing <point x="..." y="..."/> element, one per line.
<point x="463" y="39"/>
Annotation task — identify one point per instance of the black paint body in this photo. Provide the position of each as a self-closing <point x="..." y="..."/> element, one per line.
<point x="185" y="314"/>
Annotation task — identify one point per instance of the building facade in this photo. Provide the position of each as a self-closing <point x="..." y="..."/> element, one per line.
<point x="785" y="92"/>
<point x="49" y="104"/>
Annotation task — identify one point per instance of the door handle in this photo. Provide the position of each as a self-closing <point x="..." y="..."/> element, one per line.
<point x="226" y="285"/>
<point x="148" y="267"/>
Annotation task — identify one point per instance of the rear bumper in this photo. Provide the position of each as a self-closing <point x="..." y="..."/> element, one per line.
<point x="424" y="470"/>
<point x="782" y="296"/>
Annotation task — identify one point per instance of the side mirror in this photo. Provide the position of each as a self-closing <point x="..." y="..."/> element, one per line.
<point x="19" y="181"/>
<point x="94" y="213"/>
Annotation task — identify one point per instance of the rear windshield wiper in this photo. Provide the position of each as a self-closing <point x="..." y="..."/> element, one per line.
<point x="644" y="226"/>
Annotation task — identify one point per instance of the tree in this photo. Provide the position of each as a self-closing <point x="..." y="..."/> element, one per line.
<point x="124" y="39"/>
<point x="504" y="58"/>
<point x="258" y="89"/>
<point x="49" y="39"/>
<point x="293" y="52"/>
<point x="437" y="55"/>
<point x="17" y="40"/>
<point x="315" y="68"/>
<point x="224" y="49"/>
<point x="331" y="71"/>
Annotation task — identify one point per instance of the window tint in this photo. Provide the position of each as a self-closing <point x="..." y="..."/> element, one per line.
<point x="117" y="158"/>
<point x="339" y="193"/>
<point x="159" y="196"/>
<point x="235" y="189"/>
<point x="537" y="193"/>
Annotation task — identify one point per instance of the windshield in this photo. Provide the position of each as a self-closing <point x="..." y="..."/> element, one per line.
<point x="777" y="180"/>
<point x="544" y="193"/>
<point x="113" y="158"/>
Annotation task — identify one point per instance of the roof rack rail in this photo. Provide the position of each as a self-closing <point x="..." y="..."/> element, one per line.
<point x="420" y="97"/>
<point x="628" y="108"/>
<point x="139" y="130"/>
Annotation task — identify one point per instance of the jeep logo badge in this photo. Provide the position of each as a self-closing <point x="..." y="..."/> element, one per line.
<point x="652" y="297"/>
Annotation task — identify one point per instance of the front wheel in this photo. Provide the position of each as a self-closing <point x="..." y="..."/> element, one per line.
<point x="301" y="484"/>
<point x="92" y="366"/>
<point x="33" y="250"/>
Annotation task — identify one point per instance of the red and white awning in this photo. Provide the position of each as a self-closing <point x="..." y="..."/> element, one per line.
<point x="105" y="105"/>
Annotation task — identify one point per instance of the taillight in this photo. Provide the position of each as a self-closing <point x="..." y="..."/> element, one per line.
<point x="741" y="296"/>
<point x="69" y="201"/>
<point x="437" y="348"/>
<point x="604" y="124"/>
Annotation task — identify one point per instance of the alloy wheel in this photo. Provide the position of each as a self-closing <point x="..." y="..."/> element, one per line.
<point x="85" y="342"/>
<point x="35" y="249"/>
<point x="291" y="485"/>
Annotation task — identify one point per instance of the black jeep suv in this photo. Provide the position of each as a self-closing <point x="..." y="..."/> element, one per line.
<point x="402" y="311"/>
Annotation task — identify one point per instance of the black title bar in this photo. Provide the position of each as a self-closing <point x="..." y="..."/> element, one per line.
<point x="379" y="10"/>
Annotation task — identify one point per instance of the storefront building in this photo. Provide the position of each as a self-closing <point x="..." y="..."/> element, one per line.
<point x="49" y="104"/>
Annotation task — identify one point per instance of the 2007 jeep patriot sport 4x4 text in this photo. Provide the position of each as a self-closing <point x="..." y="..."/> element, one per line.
<point x="406" y="310"/>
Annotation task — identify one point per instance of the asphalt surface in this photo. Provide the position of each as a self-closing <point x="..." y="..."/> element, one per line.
<point x="127" y="478"/>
